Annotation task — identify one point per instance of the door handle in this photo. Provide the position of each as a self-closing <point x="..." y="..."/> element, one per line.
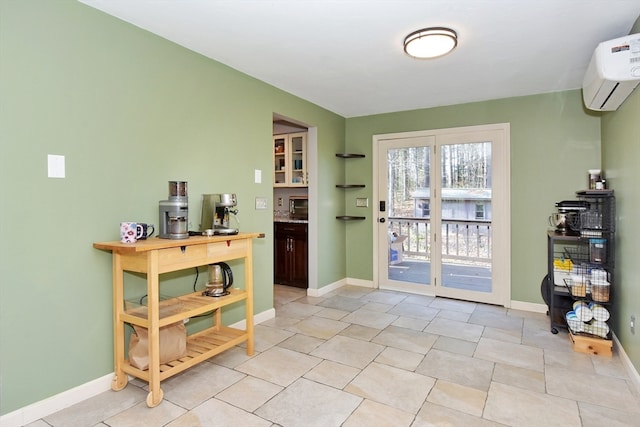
<point x="382" y="220"/>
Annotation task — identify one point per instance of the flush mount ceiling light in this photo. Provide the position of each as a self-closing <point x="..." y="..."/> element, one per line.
<point x="430" y="42"/>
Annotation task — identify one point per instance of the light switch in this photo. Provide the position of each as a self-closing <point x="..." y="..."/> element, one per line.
<point x="257" y="176"/>
<point x="55" y="166"/>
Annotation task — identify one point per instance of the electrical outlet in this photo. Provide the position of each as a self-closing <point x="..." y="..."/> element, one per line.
<point x="632" y="324"/>
<point x="279" y="201"/>
<point x="261" y="203"/>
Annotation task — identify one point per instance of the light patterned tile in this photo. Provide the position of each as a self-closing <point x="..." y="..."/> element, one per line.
<point x="431" y="415"/>
<point x="514" y="406"/>
<point x="301" y="343"/>
<point x="343" y="303"/>
<point x="279" y="365"/>
<point x="411" y="323"/>
<point x="597" y="389"/>
<point x="414" y="310"/>
<point x="457" y="368"/>
<point x="331" y="313"/>
<point x="374" y="414"/>
<point x="266" y="337"/>
<point x="332" y="373"/>
<point x="598" y="416"/>
<point x="98" y="408"/>
<point x="519" y="355"/>
<point x="297" y="310"/>
<point x="360" y="332"/>
<point x="193" y="386"/>
<point x="460" y="316"/>
<point x="371" y="319"/>
<point x="519" y="377"/>
<point x="249" y="393"/>
<point x="453" y="305"/>
<point x="305" y="403"/>
<point x="497" y="319"/>
<point x="162" y="414"/>
<point x="406" y="339"/>
<point x="513" y="336"/>
<point x="377" y="306"/>
<point x="400" y="389"/>
<point x="454" y="345"/>
<point x="455" y="329"/>
<point x="318" y="327"/>
<point x="349" y="351"/>
<point x="455" y="396"/>
<point x="215" y="413"/>
<point x="400" y="358"/>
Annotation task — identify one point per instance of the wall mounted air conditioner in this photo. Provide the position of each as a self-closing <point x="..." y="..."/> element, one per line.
<point x="613" y="73"/>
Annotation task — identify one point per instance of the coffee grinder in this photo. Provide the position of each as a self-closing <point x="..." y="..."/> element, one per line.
<point x="174" y="213"/>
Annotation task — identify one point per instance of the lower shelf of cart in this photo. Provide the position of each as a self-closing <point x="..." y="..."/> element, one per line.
<point x="200" y="346"/>
<point x="176" y="309"/>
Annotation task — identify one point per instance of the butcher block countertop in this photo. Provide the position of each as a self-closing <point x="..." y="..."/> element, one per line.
<point x="155" y="243"/>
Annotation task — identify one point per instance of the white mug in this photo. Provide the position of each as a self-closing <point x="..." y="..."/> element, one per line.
<point x="130" y="232"/>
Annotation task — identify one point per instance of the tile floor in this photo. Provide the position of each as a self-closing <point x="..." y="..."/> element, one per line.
<point x="363" y="357"/>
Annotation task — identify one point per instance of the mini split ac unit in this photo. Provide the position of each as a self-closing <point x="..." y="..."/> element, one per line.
<point x="613" y="73"/>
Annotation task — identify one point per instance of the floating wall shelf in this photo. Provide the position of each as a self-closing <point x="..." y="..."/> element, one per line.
<point x="350" y="155"/>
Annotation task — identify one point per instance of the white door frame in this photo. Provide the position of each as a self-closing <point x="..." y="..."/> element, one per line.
<point x="501" y="213"/>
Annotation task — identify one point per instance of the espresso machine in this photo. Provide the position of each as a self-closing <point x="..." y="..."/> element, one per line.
<point x="218" y="213"/>
<point x="174" y="213"/>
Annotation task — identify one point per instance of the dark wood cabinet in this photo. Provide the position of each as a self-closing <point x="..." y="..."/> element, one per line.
<point x="290" y="254"/>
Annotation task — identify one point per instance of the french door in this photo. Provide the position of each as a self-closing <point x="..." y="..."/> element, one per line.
<point x="443" y="213"/>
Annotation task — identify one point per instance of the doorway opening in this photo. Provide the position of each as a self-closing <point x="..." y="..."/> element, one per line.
<point x="294" y="178"/>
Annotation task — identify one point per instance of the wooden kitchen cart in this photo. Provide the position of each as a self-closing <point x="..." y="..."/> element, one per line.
<point x="154" y="257"/>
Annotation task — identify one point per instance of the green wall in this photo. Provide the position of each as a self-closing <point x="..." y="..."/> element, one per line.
<point x="554" y="141"/>
<point x="129" y="111"/>
<point x="620" y="160"/>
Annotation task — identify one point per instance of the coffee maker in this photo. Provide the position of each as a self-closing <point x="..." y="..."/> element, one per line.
<point x="174" y="213"/>
<point x="219" y="214"/>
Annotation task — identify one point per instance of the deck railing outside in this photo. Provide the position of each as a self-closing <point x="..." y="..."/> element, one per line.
<point x="468" y="240"/>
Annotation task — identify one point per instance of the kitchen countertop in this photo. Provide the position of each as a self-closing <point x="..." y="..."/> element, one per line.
<point x="293" y="221"/>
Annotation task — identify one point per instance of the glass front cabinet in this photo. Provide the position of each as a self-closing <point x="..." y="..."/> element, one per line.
<point x="290" y="160"/>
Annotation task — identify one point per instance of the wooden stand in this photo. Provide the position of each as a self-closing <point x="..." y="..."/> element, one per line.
<point x="591" y="345"/>
<point x="154" y="257"/>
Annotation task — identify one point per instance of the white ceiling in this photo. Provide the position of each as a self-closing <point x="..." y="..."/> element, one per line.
<point x="346" y="55"/>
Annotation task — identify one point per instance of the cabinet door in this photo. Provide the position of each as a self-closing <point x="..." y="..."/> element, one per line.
<point x="280" y="160"/>
<point x="299" y="265"/>
<point x="298" y="155"/>
<point x="280" y="255"/>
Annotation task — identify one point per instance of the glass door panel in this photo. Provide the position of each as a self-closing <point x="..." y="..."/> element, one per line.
<point x="465" y="244"/>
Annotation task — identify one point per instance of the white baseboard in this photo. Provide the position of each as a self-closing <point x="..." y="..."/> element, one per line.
<point x="258" y="318"/>
<point x="529" y="306"/>
<point x="360" y="282"/>
<point x="35" y="411"/>
<point x="634" y="376"/>
<point x="53" y="404"/>
<point x="326" y="289"/>
<point x="340" y="283"/>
